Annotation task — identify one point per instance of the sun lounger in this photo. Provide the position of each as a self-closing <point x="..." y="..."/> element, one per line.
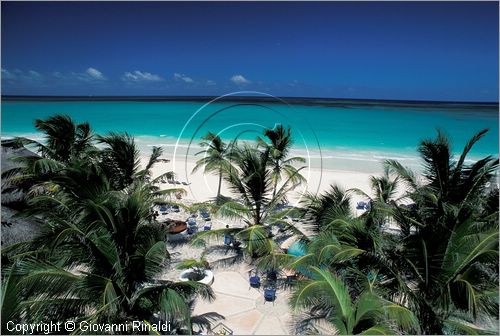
<point x="254" y="280"/>
<point x="270" y="295"/>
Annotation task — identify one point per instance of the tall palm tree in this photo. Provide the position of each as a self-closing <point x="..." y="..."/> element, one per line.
<point x="282" y="165"/>
<point x="119" y="158"/>
<point x="100" y="251"/>
<point x="99" y="255"/>
<point x="216" y="157"/>
<point x="250" y="178"/>
<point x="451" y="257"/>
<point x="443" y="263"/>
<point x="64" y="141"/>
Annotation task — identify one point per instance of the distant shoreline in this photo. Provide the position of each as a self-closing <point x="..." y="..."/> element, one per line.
<point x="336" y="158"/>
<point x="339" y="102"/>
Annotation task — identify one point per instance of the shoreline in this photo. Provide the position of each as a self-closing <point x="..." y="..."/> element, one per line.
<point x="332" y="157"/>
<point x="203" y="187"/>
<point x="349" y="168"/>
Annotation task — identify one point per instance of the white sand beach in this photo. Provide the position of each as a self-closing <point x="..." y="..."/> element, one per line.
<point x="243" y="308"/>
<point x="202" y="187"/>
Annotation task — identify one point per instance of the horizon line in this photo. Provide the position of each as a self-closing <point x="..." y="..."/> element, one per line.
<point x="236" y="97"/>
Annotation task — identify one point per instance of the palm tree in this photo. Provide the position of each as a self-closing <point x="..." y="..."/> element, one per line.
<point x="216" y="157"/>
<point x="250" y="178"/>
<point x="281" y="143"/>
<point x="341" y="241"/>
<point x="320" y="211"/>
<point x="100" y="251"/>
<point x="443" y="263"/>
<point x="385" y="189"/>
<point x="99" y="255"/>
<point x="326" y="298"/>
<point x="64" y="141"/>
<point x="11" y="297"/>
<point x="451" y="257"/>
<point x="119" y="158"/>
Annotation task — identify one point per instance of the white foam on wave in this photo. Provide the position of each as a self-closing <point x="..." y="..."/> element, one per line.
<point x="32" y="136"/>
<point x="356" y="155"/>
<point x="329" y="155"/>
<point x="173" y="145"/>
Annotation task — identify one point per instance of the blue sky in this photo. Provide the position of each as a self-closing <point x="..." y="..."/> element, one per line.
<point x="382" y="50"/>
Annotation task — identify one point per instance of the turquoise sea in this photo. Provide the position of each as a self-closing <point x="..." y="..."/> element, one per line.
<point x="335" y="131"/>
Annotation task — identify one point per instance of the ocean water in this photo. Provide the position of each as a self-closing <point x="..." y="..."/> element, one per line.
<point x="330" y="134"/>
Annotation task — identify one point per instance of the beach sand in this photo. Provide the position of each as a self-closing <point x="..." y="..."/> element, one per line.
<point x="203" y="186"/>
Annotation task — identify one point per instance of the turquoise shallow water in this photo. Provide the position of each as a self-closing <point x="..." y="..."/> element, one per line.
<point x="354" y="131"/>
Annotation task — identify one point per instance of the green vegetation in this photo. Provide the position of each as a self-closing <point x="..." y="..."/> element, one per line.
<point x="197" y="268"/>
<point x="101" y="250"/>
<point x="252" y="177"/>
<point x="279" y="148"/>
<point x="441" y="264"/>
<point x="216" y="159"/>
<point x="435" y="273"/>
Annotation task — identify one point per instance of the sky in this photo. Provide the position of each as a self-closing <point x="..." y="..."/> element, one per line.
<point x="371" y="50"/>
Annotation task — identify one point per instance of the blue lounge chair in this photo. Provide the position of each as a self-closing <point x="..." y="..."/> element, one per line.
<point x="191" y="222"/>
<point x="207" y="227"/>
<point x="270" y="295"/>
<point x="254" y="281"/>
<point x="175" y="208"/>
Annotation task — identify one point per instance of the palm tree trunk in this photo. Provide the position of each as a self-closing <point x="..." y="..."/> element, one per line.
<point x="220" y="183"/>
